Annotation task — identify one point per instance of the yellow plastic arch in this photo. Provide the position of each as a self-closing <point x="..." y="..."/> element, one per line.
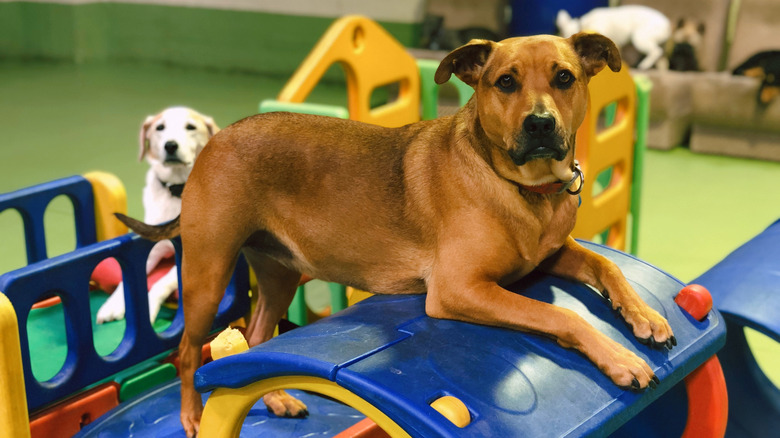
<point x="227" y="408"/>
<point x="110" y="198"/>
<point x="13" y="399"/>
<point x="371" y="58"/>
<point x="599" y="150"/>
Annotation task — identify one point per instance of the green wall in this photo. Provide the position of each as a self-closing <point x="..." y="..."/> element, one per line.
<point x="259" y="42"/>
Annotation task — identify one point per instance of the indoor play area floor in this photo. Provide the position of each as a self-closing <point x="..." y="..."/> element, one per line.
<point x="59" y="120"/>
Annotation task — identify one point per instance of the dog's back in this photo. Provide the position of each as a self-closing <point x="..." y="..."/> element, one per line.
<point x="330" y="180"/>
<point x="617" y="23"/>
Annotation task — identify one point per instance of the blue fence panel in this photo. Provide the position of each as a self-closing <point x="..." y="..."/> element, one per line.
<point x="68" y="276"/>
<point x="31" y="203"/>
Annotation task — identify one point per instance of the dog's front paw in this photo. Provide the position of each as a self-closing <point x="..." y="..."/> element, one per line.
<point x="648" y="326"/>
<point x="622" y="366"/>
<point x="114" y="307"/>
<point x="285" y="405"/>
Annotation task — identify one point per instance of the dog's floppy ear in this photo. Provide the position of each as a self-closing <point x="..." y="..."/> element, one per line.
<point x="596" y="52"/>
<point x="142" y="136"/>
<point x="210" y="125"/>
<point x="465" y="62"/>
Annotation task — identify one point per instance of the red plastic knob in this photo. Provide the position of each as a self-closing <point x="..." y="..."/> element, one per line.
<point x="696" y="300"/>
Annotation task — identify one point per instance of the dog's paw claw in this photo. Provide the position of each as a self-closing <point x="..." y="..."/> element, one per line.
<point x="655" y="344"/>
<point x="651" y="342"/>
<point x="300" y="414"/>
<point x="653" y="383"/>
<point x="635" y="386"/>
<point x="668" y="344"/>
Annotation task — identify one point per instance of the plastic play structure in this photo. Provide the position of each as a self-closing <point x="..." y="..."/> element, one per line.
<point x="391" y="362"/>
<point x="366" y="357"/>
<point x="745" y="289"/>
<point x="383" y="365"/>
<point x="84" y="387"/>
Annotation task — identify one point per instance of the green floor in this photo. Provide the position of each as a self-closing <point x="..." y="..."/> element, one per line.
<point x="59" y="119"/>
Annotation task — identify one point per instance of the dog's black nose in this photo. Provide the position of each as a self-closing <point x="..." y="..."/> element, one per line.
<point x="541" y="125"/>
<point x="171" y="146"/>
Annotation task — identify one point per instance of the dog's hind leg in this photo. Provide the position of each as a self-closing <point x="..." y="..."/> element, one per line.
<point x="276" y="287"/>
<point x="207" y="265"/>
<point x="649" y="42"/>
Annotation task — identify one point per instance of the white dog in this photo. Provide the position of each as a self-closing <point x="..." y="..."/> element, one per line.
<point x="644" y="27"/>
<point x="170" y="141"/>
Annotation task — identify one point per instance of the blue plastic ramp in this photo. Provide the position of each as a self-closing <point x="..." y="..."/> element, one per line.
<point x="389" y="353"/>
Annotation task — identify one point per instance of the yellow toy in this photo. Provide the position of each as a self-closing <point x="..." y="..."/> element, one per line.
<point x="229" y="341"/>
<point x="13" y="399"/>
<point x="110" y="198"/>
<point x="365" y="51"/>
<point x="599" y="149"/>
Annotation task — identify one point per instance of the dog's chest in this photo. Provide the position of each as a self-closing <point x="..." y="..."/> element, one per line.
<point x="543" y="229"/>
<point x="159" y="204"/>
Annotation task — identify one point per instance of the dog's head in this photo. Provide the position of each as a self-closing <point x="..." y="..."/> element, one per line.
<point x="685" y="45"/>
<point x="173" y="138"/>
<point x="531" y="95"/>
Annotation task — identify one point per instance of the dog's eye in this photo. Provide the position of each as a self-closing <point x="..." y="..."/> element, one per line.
<point x="190" y="127"/>
<point x="160" y="127"/>
<point x="506" y="83"/>
<point x="564" y="78"/>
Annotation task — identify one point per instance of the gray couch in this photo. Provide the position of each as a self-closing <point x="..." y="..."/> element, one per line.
<point x="712" y="110"/>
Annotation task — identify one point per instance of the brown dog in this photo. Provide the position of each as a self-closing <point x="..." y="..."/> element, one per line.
<point x="456" y="207"/>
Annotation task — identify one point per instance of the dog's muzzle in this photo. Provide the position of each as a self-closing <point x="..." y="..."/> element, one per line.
<point x="538" y="139"/>
<point x="171" y="153"/>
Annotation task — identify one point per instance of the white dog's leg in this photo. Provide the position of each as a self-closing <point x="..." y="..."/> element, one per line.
<point x="649" y="42"/>
<point x="161" y="250"/>
<point x="653" y="54"/>
<point x="161" y="290"/>
<point x="114" y="307"/>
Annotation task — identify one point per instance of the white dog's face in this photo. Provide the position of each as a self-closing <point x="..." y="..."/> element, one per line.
<point x="171" y="140"/>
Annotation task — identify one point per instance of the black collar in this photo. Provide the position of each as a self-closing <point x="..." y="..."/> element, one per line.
<point x="175" y="189"/>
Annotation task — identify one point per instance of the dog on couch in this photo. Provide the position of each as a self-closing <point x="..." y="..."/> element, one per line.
<point x="170" y="142"/>
<point x="457" y="207"/>
<point x="645" y="28"/>
<point x="765" y="66"/>
<point x="686" y="45"/>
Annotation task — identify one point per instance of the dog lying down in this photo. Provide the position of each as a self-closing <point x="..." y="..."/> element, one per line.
<point x="170" y="141"/>
<point x="456" y="207"/>
<point x="765" y="66"/>
<point x="645" y="28"/>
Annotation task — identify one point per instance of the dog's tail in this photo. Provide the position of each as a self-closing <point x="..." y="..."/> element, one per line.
<point x="154" y="233"/>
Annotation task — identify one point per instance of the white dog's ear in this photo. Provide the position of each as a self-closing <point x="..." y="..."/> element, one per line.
<point x="210" y="125"/>
<point x="142" y="139"/>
